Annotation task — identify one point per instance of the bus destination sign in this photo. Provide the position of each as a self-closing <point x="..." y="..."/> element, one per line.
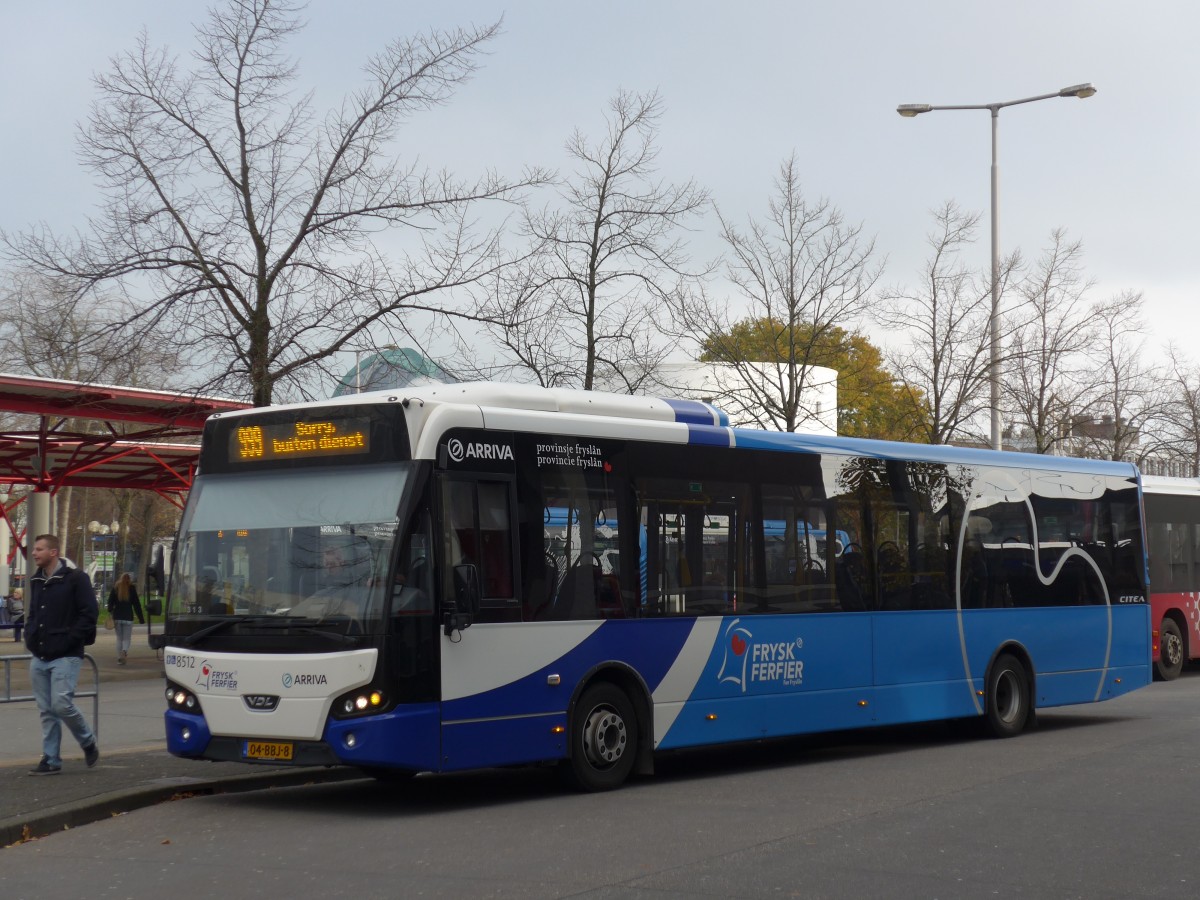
<point x="300" y="440"/>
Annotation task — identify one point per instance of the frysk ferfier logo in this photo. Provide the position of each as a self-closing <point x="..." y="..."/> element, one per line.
<point x="764" y="662"/>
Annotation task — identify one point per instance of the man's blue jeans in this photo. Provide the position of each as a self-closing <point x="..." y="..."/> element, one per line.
<point x="54" y="689"/>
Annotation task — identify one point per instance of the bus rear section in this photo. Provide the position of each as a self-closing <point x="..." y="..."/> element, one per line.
<point x="1173" y="543"/>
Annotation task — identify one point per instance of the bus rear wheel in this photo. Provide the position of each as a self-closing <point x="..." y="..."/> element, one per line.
<point x="1007" y="697"/>
<point x="1170" y="651"/>
<point x="604" y="738"/>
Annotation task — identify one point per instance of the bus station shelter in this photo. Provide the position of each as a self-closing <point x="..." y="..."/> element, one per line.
<point x="56" y="434"/>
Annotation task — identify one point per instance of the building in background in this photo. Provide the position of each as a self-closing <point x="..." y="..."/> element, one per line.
<point x="392" y="367"/>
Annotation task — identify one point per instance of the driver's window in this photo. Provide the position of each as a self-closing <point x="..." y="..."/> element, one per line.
<point x="412" y="589"/>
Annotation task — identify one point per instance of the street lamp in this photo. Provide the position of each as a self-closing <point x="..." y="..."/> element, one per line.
<point x="358" y="371"/>
<point x="100" y="535"/>
<point x="911" y="110"/>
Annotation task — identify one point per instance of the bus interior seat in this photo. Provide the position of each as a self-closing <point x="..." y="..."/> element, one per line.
<point x="609" y="601"/>
<point x="577" y="595"/>
<point x="974" y="585"/>
<point x="850" y="579"/>
<point x="541" y="597"/>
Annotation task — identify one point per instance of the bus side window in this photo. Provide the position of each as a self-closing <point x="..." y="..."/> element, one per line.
<point x="477" y="531"/>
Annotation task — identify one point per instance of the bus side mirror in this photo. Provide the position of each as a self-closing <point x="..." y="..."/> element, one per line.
<point x="154" y="607"/>
<point x="466" y="599"/>
<point x="466" y="588"/>
<point x="156" y="641"/>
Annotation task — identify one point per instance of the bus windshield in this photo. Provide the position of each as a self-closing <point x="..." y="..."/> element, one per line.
<point x="285" y="548"/>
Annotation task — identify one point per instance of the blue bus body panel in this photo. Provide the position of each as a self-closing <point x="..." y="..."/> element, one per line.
<point x="514" y="721"/>
<point x="407" y="737"/>
<point x="200" y="736"/>
<point x="760" y="676"/>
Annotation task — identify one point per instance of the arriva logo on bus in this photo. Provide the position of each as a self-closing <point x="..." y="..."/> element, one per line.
<point x="459" y="451"/>
<point x="747" y="661"/>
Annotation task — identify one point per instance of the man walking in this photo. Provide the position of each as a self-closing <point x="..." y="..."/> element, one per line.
<point x="60" y="620"/>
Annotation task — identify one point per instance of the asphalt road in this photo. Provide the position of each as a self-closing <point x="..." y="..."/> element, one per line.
<point x="1098" y="802"/>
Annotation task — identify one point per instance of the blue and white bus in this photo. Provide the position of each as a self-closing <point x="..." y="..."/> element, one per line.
<point x="475" y="575"/>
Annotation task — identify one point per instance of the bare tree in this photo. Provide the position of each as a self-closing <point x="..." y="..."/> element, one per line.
<point x="1127" y="390"/>
<point x="1048" y="375"/>
<point x="944" y="324"/>
<point x="1175" y="431"/>
<point x="800" y="274"/>
<point x="54" y="337"/>
<point x="579" y="309"/>
<point x="246" y="224"/>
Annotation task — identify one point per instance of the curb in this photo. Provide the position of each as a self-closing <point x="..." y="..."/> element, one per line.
<point x="22" y="828"/>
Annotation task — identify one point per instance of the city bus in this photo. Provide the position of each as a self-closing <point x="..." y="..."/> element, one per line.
<point x="462" y="576"/>
<point x="1173" y="539"/>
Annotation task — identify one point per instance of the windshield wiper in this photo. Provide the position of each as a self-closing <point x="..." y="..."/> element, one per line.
<point x="196" y="636"/>
<point x="332" y="635"/>
<point x="304" y="625"/>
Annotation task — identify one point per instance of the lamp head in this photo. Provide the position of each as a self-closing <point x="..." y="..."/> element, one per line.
<point x="909" y="110"/>
<point x="1082" y="91"/>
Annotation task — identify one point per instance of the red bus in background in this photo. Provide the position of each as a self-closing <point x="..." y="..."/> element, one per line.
<point x="1173" y="544"/>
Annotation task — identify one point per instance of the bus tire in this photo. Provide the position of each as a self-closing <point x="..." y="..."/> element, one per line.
<point x="604" y="738"/>
<point x="1170" y="651"/>
<point x="1007" y="697"/>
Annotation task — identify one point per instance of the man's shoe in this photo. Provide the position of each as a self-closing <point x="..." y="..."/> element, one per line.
<point x="44" y="768"/>
<point x="91" y="753"/>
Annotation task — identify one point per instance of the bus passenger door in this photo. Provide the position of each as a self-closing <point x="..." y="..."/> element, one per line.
<point x="491" y="701"/>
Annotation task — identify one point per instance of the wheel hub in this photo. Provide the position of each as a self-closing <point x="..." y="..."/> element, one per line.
<point x="1172" y="650"/>
<point x="1008" y="697"/>
<point x="604" y="736"/>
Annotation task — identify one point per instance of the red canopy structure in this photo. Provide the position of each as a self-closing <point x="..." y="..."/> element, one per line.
<point x="96" y="435"/>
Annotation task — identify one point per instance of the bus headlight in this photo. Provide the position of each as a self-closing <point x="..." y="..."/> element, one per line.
<point x="182" y="700"/>
<point x="361" y="702"/>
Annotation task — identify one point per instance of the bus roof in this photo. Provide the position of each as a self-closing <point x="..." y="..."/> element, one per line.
<point x="1161" y="484"/>
<point x="704" y="418"/>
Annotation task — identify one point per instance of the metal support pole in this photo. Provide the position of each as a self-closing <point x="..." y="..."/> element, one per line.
<point x="39" y="523"/>
<point x="994" y="321"/>
<point x="911" y="110"/>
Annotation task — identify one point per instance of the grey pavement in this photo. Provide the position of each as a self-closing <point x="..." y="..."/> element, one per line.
<point x="134" y="770"/>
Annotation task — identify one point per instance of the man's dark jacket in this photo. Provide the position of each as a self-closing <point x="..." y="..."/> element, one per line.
<point x="60" y="615"/>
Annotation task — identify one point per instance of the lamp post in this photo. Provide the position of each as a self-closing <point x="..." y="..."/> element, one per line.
<point x="911" y="110"/>
<point x="101" y="532"/>
<point x="358" y="371"/>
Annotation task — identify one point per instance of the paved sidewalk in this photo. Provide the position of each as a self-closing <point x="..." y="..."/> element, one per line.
<point x="134" y="770"/>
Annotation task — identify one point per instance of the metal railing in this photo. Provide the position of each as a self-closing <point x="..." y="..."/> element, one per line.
<point x="94" y="693"/>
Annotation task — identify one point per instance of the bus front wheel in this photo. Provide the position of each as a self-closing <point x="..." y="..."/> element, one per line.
<point x="1007" y="697"/>
<point x="604" y="738"/>
<point x="1170" y="651"/>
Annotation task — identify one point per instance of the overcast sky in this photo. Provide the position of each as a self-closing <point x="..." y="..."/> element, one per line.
<point x="743" y="84"/>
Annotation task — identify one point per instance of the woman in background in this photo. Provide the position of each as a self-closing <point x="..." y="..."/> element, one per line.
<point x="122" y="604"/>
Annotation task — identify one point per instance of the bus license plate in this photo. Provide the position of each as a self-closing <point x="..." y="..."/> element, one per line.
<point x="268" y="750"/>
